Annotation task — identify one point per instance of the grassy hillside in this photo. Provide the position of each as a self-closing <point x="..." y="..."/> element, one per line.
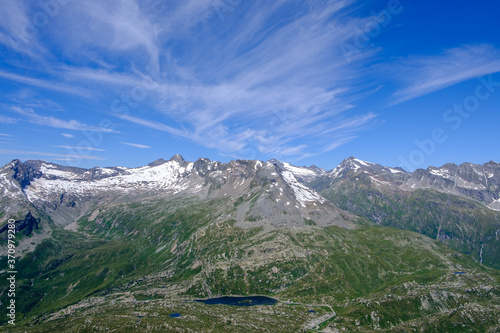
<point x="130" y="266"/>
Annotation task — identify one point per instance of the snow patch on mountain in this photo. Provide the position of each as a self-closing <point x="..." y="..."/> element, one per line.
<point x="302" y="193"/>
<point x="9" y="188"/>
<point x="441" y="173"/>
<point x="469" y="185"/>
<point x="300" y="172"/>
<point x="52" y="170"/>
<point x="364" y="163"/>
<point x="379" y="182"/>
<point x="394" y="170"/>
<point x="167" y="176"/>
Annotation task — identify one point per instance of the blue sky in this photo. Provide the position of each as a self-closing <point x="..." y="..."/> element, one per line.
<point x="103" y="83"/>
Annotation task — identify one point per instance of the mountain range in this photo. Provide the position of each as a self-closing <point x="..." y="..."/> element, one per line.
<point x="361" y="247"/>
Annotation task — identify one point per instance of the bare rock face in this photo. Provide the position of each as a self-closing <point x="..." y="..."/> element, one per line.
<point x="26" y="225"/>
<point x="25" y="173"/>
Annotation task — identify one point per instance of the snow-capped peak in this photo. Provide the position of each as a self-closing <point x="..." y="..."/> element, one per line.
<point x="350" y="163"/>
<point x="165" y="176"/>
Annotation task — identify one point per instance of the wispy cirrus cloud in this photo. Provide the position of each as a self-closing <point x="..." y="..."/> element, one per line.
<point x="6" y="137"/>
<point x="45" y="84"/>
<point x="67" y="135"/>
<point x="7" y="120"/>
<point x="426" y="74"/>
<point x="154" y="125"/>
<point x="48" y="154"/>
<point x="80" y="148"/>
<point x="30" y="116"/>
<point x="136" y="145"/>
<point x="278" y="84"/>
<point x="114" y="29"/>
<point x="17" y="32"/>
<point x="232" y="97"/>
<point x="29" y="98"/>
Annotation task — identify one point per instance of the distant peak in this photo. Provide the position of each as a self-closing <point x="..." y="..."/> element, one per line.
<point x="276" y="162"/>
<point x="14" y="163"/>
<point x="491" y="163"/>
<point x="448" y="166"/>
<point x="315" y="169"/>
<point x="350" y="160"/>
<point x="202" y="162"/>
<point x="177" y="158"/>
<point x="159" y="161"/>
<point x="353" y="159"/>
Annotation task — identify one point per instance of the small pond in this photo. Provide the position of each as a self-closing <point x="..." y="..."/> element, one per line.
<point x="239" y="300"/>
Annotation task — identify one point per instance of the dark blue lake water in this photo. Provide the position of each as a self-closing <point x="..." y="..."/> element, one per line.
<point x="239" y="300"/>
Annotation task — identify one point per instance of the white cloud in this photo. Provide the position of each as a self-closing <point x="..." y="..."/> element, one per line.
<point x="136" y="145"/>
<point x="27" y="97"/>
<point x="67" y="135"/>
<point x="113" y="28"/>
<point x="33" y="118"/>
<point x="80" y="148"/>
<point x="155" y="125"/>
<point x="44" y="84"/>
<point x="426" y="74"/>
<point x="231" y="83"/>
<point x="228" y="99"/>
<point x="7" y="120"/>
<point x="48" y="154"/>
<point x="17" y="30"/>
<point x="6" y="137"/>
<point x="66" y="159"/>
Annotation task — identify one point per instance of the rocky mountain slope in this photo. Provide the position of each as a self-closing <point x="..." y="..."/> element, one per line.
<point x="262" y="190"/>
<point x="452" y="204"/>
<point x="472" y="181"/>
<point x="120" y="248"/>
